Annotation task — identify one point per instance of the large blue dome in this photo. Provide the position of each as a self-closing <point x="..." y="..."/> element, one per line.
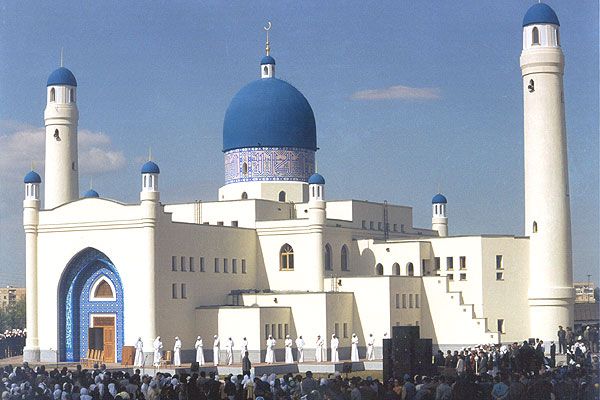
<point x="269" y="113"/>
<point x="62" y="76"/>
<point x="540" y="13"/>
<point x="32" y="177"/>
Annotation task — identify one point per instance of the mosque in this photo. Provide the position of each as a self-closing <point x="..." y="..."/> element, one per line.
<point x="273" y="256"/>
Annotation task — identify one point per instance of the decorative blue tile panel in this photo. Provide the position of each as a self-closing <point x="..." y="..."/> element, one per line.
<point x="75" y="307"/>
<point x="269" y="164"/>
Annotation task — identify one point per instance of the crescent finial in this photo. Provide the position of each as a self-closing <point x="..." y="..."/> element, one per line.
<point x="268" y="27"/>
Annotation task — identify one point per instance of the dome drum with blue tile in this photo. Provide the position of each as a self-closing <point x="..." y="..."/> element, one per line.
<point x="269" y="132"/>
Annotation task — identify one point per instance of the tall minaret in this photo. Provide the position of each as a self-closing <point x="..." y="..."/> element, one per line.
<point x="61" y="116"/>
<point x="317" y="219"/>
<point x="439" y="219"/>
<point x="547" y="210"/>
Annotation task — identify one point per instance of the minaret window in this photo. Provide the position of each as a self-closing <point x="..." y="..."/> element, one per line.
<point x="344" y="258"/>
<point x="535" y="36"/>
<point x="531" y="86"/>
<point x="52" y="94"/>
<point x="535" y="228"/>
<point x="266" y="70"/>
<point x="379" y="269"/>
<point x="286" y="258"/>
<point x="245" y="168"/>
<point x="56" y="135"/>
<point x="328" y="265"/>
<point x="282" y="196"/>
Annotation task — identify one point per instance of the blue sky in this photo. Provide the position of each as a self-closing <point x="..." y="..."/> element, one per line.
<point x="161" y="74"/>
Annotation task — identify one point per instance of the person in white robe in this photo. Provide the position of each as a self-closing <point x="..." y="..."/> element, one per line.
<point x="244" y="348"/>
<point x="289" y="357"/>
<point x="270" y="355"/>
<point x="300" y="346"/>
<point x="158" y="348"/>
<point x="319" y="349"/>
<point x="199" y="346"/>
<point x="177" y="352"/>
<point x="229" y="351"/>
<point x="139" y="353"/>
<point x="335" y="343"/>
<point x="371" y="348"/>
<point x="354" y="351"/>
<point x="216" y="348"/>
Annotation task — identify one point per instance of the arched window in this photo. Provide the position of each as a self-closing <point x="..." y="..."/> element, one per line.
<point x="282" y="196"/>
<point x="535" y="36"/>
<point x="286" y="258"/>
<point x="266" y="69"/>
<point x="328" y="264"/>
<point x="244" y="196"/>
<point x="396" y="268"/>
<point x="410" y="269"/>
<point x="344" y="258"/>
<point x="531" y="86"/>
<point x="102" y="290"/>
<point x="245" y="168"/>
<point x="52" y="94"/>
<point x="535" y="227"/>
<point x="72" y="95"/>
<point x="379" y="269"/>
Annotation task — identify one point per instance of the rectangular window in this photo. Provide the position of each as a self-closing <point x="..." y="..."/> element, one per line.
<point x="234" y="266"/>
<point x="183" y="291"/>
<point x="437" y="263"/>
<point x="202" y="268"/>
<point x="345" y="329"/>
<point x="463" y="277"/>
<point x="192" y="265"/>
<point x="234" y="224"/>
<point x="463" y="262"/>
<point x="243" y="266"/>
<point x="216" y="265"/>
<point x="501" y="328"/>
<point x="417" y="301"/>
<point x="423" y="264"/>
<point x="449" y="263"/>
<point x="286" y="329"/>
<point x="174" y="291"/>
<point x="397" y="300"/>
<point x="267" y="326"/>
<point x="450" y="277"/>
<point x="371" y="225"/>
<point x="225" y="266"/>
<point x="499" y="276"/>
<point x="404" y="300"/>
<point x="183" y="264"/>
<point x="220" y="223"/>
<point x="279" y="331"/>
<point x="410" y="301"/>
<point x="379" y="225"/>
<point x="173" y="263"/>
<point x="401" y="227"/>
<point x="364" y="224"/>
<point x="274" y="330"/>
<point x="499" y="262"/>
<point x="395" y="227"/>
<point x="336" y="329"/>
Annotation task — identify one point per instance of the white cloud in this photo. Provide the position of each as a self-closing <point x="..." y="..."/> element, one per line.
<point x="398" y="92"/>
<point x="20" y="145"/>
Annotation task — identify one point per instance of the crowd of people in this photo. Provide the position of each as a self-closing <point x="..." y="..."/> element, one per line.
<point x="12" y="342"/>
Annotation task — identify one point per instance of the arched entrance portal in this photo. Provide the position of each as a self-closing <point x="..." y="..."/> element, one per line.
<point x="90" y="307"/>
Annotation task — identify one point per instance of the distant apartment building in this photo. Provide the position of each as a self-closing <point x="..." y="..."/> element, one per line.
<point x="584" y="292"/>
<point x="10" y="295"/>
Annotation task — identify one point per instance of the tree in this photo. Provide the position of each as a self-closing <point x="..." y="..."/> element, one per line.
<point x="13" y="316"/>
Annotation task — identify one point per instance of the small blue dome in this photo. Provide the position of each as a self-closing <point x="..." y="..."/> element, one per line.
<point x="32" y="177"/>
<point x="269" y="113"/>
<point x="316" y="179"/>
<point x="150" y="168"/>
<point x="439" y="199"/>
<point x="90" y="193"/>
<point x="267" y="60"/>
<point x="540" y="13"/>
<point x="62" y="76"/>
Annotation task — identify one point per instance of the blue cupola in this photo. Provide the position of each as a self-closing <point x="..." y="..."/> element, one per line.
<point x="316" y="179"/>
<point x="90" y="194"/>
<point x="32" y="177"/>
<point x="540" y="13"/>
<point x="62" y="77"/>
<point x="32" y="185"/>
<point x="439" y="199"/>
<point x="150" y="167"/>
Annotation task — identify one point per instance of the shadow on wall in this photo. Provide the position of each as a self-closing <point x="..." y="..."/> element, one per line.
<point x="426" y="325"/>
<point x="368" y="258"/>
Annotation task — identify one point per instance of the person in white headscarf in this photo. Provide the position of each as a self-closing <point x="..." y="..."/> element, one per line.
<point x="289" y="358"/>
<point x="354" y="351"/>
<point x="300" y="346"/>
<point x="229" y="351"/>
<point x="335" y="343"/>
<point x="139" y="353"/>
<point x="319" y="349"/>
<point x="270" y="355"/>
<point x="371" y="348"/>
<point x="84" y="394"/>
<point x="177" y="352"/>
<point x="112" y="389"/>
<point x="216" y="348"/>
<point x="199" y="346"/>
<point x="244" y="348"/>
<point x="158" y="348"/>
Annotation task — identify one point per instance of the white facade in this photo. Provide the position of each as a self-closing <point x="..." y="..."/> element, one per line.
<point x="254" y="264"/>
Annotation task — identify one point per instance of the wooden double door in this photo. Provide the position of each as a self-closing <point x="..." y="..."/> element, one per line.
<point x="102" y="336"/>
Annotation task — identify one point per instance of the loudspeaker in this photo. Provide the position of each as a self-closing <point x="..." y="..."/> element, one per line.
<point x="410" y="333"/>
<point x="388" y="350"/>
<point x="423" y="353"/>
<point x="194" y="367"/>
<point x="347" y="367"/>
